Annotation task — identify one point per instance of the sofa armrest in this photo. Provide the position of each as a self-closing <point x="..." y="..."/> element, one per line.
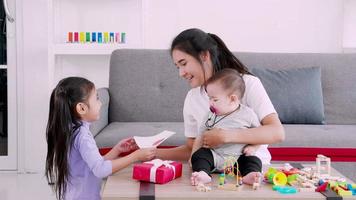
<point x="100" y="124"/>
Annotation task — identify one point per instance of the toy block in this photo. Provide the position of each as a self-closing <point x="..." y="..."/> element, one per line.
<point x="343" y="187"/>
<point x="203" y="188"/>
<point x="323" y="165"/>
<point x="257" y="183"/>
<point x="322" y="187"/>
<point x="341" y="191"/>
<point x="306" y="189"/>
<point x="284" y="189"/>
<point x="352" y="189"/>
<point x="255" y="186"/>
<point x="307" y="185"/>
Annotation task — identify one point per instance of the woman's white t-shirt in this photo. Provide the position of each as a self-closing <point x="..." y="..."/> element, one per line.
<point x="196" y="107"/>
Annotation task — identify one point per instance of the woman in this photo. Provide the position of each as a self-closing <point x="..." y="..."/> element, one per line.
<point x="198" y="55"/>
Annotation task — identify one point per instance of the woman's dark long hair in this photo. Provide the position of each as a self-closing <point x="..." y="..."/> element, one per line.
<point x="63" y="121"/>
<point x="195" y="41"/>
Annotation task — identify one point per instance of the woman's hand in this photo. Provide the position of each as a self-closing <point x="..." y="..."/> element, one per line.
<point x="126" y="145"/>
<point x="213" y="138"/>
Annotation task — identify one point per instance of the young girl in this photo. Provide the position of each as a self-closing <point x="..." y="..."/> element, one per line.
<point x="74" y="167"/>
<point x="225" y="90"/>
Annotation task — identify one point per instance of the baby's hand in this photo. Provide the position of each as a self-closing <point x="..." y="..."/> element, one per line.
<point x="250" y="150"/>
<point x="126" y="145"/>
<point x="145" y="154"/>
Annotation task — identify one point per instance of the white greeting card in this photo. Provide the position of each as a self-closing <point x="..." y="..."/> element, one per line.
<point x="152" y="141"/>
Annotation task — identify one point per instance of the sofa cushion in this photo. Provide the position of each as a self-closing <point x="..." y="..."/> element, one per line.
<point x="145" y="86"/>
<point x="295" y="93"/>
<point x="341" y="136"/>
<point x="116" y="131"/>
<point x="338" y="78"/>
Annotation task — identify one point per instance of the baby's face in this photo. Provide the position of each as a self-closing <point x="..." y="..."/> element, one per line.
<point x="220" y="101"/>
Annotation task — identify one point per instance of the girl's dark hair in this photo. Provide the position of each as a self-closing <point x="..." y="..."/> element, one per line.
<point x="63" y="121"/>
<point x="195" y="41"/>
<point x="230" y="80"/>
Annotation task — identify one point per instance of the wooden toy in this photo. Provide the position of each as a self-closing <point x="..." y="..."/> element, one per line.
<point x="76" y="37"/>
<point x="70" y="37"/>
<point x="100" y="37"/>
<point x="123" y="37"/>
<point x="117" y="38"/>
<point x="87" y="37"/>
<point x="93" y="37"/>
<point x="323" y="165"/>
<point x="82" y="37"/>
<point x="230" y="167"/>
<point x="257" y="183"/>
<point x="203" y="188"/>
<point x="106" y="37"/>
<point x="112" y="39"/>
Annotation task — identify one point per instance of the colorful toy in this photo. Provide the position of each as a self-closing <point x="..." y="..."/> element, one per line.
<point x="123" y="37"/>
<point x="228" y="175"/>
<point x="100" y="37"/>
<point x="112" y="39"/>
<point x="96" y="37"/>
<point x="87" y="37"/>
<point x="76" y="37"/>
<point x="285" y="189"/>
<point x="352" y="188"/>
<point x="106" y="37"/>
<point x="70" y="37"/>
<point x="292" y="178"/>
<point x="341" y="191"/>
<point x="276" y="177"/>
<point x="82" y="37"/>
<point x="118" y="38"/>
<point x="93" y="36"/>
<point x="222" y="179"/>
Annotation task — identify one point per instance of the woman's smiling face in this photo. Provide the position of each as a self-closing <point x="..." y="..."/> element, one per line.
<point x="189" y="68"/>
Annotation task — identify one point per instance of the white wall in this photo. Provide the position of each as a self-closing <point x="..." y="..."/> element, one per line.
<point x="255" y="25"/>
<point x="349" y="35"/>
<point x="35" y="84"/>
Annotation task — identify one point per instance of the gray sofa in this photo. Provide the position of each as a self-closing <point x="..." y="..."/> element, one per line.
<point x="146" y="96"/>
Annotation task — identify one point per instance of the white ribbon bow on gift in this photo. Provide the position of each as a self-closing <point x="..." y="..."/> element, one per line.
<point x="156" y="164"/>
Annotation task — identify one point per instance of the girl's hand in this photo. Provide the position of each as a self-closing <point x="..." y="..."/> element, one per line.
<point x="145" y="154"/>
<point x="126" y="145"/>
<point x="213" y="138"/>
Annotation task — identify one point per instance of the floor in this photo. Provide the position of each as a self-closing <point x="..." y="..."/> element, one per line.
<point x="15" y="186"/>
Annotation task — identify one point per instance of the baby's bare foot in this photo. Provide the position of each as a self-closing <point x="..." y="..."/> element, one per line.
<point x="200" y="177"/>
<point x="252" y="177"/>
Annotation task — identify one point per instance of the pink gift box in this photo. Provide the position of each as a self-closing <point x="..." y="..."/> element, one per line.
<point x="157" y="171"/>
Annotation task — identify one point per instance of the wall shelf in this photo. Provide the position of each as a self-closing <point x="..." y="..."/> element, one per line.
<point x="88" y="49"/>
<point x="90" y="60"/>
